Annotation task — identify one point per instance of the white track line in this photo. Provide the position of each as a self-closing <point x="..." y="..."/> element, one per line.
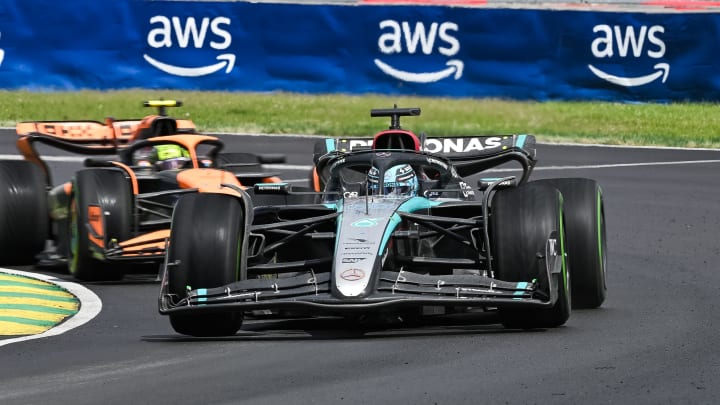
<point x="90" y="306"/>
<point x="48" y="158"/>
<point x="614" y="165"/>
<point x="308" y="167"/>
<point x="570" y="167"/>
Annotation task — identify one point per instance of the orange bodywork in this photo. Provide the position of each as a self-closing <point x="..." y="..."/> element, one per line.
<point x="92" y="136"/>
<point x="315" y="180"/>
<point x="149" y="244"/>
<point x="25" y="147"/>
<point x="71" y="131"/>
<point x="112" y="132"/>
<point x="133" y="177"/>
<point x="189" y="142"/>
<point x="208" y="180"/>
<point x="205" y="181"/>
<point x="95" y="220"/>
<point x="272" y="179"/>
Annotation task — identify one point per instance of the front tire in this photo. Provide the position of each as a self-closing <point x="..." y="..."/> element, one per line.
<point x="205" y="248"/>
<point x="25" y="220"/>
<point x="522" y="220"/>
<point x="587" y="241"/>
<point x="109" y="190"/>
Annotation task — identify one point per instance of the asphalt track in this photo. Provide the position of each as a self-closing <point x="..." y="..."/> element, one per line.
<point x="654" y="341"/>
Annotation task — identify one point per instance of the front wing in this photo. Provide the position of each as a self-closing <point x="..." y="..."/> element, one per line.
<point x="311" y="291"/>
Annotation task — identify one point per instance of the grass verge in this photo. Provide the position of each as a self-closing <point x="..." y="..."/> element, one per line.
<point x="673" y="124"/>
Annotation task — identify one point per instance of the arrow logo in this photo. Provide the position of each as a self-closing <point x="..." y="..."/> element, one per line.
<point x="226" y="61"/>
<point x="454" y="67"/>
<point x="663" y="69"/>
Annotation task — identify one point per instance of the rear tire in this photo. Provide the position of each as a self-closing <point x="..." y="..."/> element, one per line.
<point x="110" y="190"/>
<point x="522" y="220"/>
<point x="206" y="246"/>
<point x="587" y="241"/>
<point x="25" y="221"/>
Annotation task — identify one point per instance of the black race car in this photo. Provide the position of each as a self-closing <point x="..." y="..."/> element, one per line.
<point x="396" y="229"/>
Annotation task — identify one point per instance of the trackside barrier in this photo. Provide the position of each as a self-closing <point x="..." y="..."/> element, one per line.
<point x="371" y="48"/>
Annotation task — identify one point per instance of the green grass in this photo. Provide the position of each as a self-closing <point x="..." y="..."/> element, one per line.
<point x="674" y="124"/>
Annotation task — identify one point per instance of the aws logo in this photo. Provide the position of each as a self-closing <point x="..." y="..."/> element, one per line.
<point x="646" y="41"/>
<point x="190" y="33"/>
<point x="399" y="37"/>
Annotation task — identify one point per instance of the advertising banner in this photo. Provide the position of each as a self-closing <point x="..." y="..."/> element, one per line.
<point x="357" y="49"/>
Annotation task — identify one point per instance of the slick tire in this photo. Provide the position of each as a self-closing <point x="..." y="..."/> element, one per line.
<point x="587" y="241"/>
<point x="25" y="221"/>
<point x="110" y="190"/>
<point x="522" y="220"/>
<point x="205" y="247"/>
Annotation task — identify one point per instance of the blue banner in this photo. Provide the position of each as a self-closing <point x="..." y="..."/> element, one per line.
<point x="356" y="49"/>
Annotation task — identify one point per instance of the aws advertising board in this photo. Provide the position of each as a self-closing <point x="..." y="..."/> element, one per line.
<point x="413" y="50"/>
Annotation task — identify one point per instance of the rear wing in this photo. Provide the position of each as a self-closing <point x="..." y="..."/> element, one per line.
<point x="469" y="154"/>
<point x="453" y="148"/>
<point x="93" y="133"/>
<point x="111" y="133"/>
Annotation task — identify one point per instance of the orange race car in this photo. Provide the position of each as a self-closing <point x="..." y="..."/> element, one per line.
<point x="116" y="211"/>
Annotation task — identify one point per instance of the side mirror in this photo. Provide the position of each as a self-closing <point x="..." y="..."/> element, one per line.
<point x="272" y="188"/>
<point x="269" y="158"/>
<point x="496" y="183"/>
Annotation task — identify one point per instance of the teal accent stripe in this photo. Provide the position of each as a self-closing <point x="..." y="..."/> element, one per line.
<point x="38" y="308"/>
<point x="47" y="287"/>
<point x="272" y="184"/>
<point x="392" y="224"/>
<point x="417" y="203"/>
<point x="202" y="291"/>
<point x="411" y="205"/>
<point x="521" y="286"/>
<point x="25" y="321"/>
<point x="330" y="145"/>
<point x="39" y="296"/>
<point x="520" y="141"/>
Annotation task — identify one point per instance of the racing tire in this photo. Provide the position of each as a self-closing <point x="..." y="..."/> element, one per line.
<point x="522" y="220"/>
<point x="110" y="190"/>
<point x="206" y="239"/>
<point x="25" y="223"/>
<point x="587" y="240"/>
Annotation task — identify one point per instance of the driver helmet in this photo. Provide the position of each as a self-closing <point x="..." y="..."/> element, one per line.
<point x="170" y="157"/>
<point x="398" y="181"/>
<point x="373" y="181"/>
